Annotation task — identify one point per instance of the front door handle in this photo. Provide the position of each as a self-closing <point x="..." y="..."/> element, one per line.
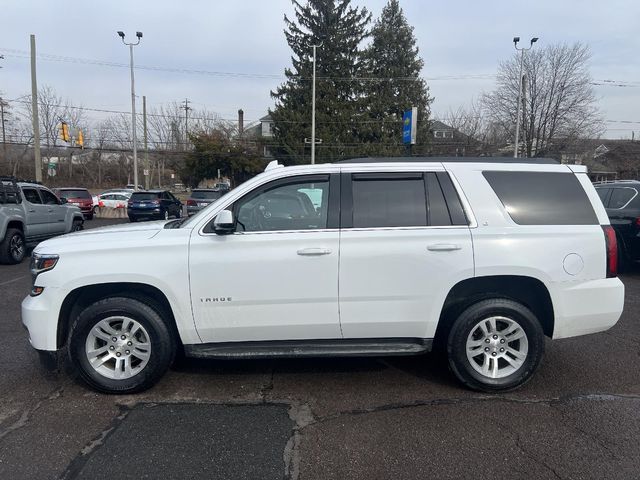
<point x="443" y="247"/>
<point x="314" y="251"/>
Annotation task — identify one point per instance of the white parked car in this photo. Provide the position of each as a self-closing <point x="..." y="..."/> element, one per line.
<point x="117" y="199"/>
<point x="483" y="258"/>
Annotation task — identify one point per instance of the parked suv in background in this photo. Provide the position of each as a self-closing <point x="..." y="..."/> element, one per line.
<point x="79" y="197"/>
<point x="29" y="213"/>
<point x="480" y="257"/>
<point x="622" y="202"/>
<point x="153" y="204"/>
<point x="202" y="197"/>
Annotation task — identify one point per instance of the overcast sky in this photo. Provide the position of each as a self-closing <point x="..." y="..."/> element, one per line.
<point x="455" y="38"/>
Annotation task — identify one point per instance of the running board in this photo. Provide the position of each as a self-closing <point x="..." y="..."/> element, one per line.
<point x="369" y="347"/>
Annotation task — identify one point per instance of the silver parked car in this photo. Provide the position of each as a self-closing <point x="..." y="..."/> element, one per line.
<point x="202" y="197"/>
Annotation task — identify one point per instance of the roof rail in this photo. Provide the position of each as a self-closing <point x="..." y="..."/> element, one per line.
<point x="539" y="161"/>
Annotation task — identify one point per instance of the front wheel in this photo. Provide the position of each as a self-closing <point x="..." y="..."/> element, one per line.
<point x="120" y="345"/>
<point x="495" y="345"/>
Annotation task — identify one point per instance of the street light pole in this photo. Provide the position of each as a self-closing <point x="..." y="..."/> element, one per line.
<point x="313" y="109"/>
<point x="521" y="50"/>
<point x="133" y="108"/>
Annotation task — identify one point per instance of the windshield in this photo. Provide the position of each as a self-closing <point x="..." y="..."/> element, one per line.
<point x="143" y="196"/>
<point x="74" y="194"/>
<point x="205" y="194"/>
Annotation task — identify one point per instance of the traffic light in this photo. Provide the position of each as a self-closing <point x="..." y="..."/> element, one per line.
<point x="80" y="140"/>
<point x="64" y="132"/>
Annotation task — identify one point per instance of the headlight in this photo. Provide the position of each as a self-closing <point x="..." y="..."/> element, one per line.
<point x="41" y="263"/>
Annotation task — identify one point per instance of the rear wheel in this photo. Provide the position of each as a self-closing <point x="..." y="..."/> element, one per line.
<point x="495" y="345"/>
<point x="120" y="345"/>
<point x="77" y="226"/>
<point x="13" y="247"/>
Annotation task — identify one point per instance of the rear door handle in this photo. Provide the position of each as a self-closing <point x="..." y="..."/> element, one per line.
<point x="443" y="247"/>
<point x="314" y="251"/>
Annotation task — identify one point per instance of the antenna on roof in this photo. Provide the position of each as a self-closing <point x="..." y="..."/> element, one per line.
<point x="273" y="164"/>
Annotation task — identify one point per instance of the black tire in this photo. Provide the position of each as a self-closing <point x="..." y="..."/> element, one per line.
<point x="12" y="247"/>
<point x="162" y="343"/>
<point x="132" y="219"/>
<point x="467" y="322"/>
<point x="76" y="226"/>
<point x="89" y="216"/>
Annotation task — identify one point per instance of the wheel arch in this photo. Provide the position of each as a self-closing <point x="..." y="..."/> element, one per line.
<point x="529" y="291"/>
<point x="81" y="297"/>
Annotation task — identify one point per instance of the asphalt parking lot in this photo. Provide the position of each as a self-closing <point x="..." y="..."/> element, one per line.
<point x="323" y="419"/>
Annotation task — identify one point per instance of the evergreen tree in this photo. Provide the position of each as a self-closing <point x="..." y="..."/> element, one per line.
<point x="339" y="29"/>
<point x="393" y="63"/>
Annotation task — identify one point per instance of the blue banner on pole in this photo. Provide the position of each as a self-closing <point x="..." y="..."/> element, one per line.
<point x="409" y="121"/>
<point x="406" y="126"/>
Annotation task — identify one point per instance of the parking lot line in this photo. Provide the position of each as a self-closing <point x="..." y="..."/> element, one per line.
<point x="13" y="280"/>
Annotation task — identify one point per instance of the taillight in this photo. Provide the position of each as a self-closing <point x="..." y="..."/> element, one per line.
<point x="611" y="244"/>
<point x="191" y="203"/>
<point x="637" y="222"/>
<point x="101" y="204"/>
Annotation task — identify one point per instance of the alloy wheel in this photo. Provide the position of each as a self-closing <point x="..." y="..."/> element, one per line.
<point x="16" y="247"/>
<point x="118" y="347"/>
<point x="497" y="346"/>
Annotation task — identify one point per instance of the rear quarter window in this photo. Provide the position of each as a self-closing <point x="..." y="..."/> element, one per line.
<point x="542" y="198"/>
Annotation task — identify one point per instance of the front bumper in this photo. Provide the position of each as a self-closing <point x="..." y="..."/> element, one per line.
<point x="40" y="318"/>
<point x="586" y="307"/>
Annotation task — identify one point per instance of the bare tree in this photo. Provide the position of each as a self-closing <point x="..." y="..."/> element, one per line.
<point x="558" y="104"/>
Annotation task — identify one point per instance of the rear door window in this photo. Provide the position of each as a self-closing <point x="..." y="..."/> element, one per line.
<point x="620" y="197"/>
<point x="32" y="195"/>
<point x="389" y="200"/>
<point x="542" y="198"/>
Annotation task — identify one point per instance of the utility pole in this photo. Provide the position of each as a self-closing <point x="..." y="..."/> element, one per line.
<point x="186" y="121"/>
<point x="313" y="109"/>
<point x="147" y="177"/>
<point x="34" y="109"/>
<point x="133" y="108"/>
<point x="4" y="138"/>
<point x="521" y="50"/>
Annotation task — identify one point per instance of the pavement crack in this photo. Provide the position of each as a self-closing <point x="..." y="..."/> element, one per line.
<point x="77" y="464"/>
<point x="303" y="417"/>
<point x="539" y="461"/>
<point x="268" y="386"/>
<point x="26" y="415"/>
<point x="482" y="399"/>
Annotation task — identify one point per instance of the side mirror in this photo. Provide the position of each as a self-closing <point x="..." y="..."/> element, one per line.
<point x="63" y="201"/>
<point x="224" y="224"/>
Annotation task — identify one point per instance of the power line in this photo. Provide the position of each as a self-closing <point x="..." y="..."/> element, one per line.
<point x="62" y="58"/>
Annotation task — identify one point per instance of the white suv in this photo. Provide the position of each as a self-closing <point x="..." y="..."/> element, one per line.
<point x="483" y="257"/>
